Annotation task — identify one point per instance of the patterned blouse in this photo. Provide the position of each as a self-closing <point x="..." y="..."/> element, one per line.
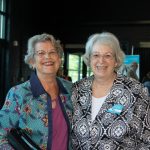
<point x="123" y="122"/>
<point x="28" y="106"/>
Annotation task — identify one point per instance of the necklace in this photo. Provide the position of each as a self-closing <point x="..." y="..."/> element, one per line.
<point x="100" y="90"/>
<point x="54" y="103"/>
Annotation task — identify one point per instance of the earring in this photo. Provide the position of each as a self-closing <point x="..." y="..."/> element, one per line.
<point x="33" y="67"/>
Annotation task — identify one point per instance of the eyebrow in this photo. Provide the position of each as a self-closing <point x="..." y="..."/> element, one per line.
<point x="104" y="53"/>
<point x="46" y="50"/>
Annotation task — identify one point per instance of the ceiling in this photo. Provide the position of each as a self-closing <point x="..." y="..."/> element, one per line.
<point x="73" y="12"/>
<point x="74" y="21"/>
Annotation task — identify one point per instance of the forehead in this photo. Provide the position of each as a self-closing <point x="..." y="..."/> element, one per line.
<point x="45" y="45"/>
<point x="103" y="48"/>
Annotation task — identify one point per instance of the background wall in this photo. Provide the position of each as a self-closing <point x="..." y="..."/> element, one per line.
<point x="72" y="23"/>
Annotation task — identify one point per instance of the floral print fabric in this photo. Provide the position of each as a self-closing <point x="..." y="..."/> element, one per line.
<point x="27" y="108"/>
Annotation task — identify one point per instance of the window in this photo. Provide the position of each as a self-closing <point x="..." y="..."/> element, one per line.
<point x="75" y="67"/>
<point x="89" y="72"/>
<point x="2" y="18"/>
<point x="2" y="27"/>
<point x="3" y="50"/>
<point x="3" y="5"/>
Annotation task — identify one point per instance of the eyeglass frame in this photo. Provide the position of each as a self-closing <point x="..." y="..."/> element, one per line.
<point x="42" y="53"/>
<point x="107" y="56"/>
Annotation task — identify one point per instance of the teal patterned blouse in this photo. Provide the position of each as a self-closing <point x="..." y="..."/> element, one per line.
<point x="28" y="106"/>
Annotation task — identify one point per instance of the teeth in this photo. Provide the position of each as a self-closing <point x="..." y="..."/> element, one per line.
<point x="48" y="63"/>
<point x="98" y="64"/>
<point x="100" y="67"/>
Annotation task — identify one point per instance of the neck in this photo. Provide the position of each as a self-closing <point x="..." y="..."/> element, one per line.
<point x="104" y="81"/>
<point x="101" y="87"/>
<point x="50" y="85"/>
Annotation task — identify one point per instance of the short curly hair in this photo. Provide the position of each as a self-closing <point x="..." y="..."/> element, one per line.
<point x="108" y="39"/>
<point x="41" y="38"/>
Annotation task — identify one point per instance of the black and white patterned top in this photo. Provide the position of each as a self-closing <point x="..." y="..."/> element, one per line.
<point x="114" y="128"/>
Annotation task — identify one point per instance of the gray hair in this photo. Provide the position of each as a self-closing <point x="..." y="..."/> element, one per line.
<point x="108" y="39"/>
<point x="41" y="38"/>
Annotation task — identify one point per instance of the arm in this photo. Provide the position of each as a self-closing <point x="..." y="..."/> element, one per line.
<point x="75" y="142"/>
<point x="9" y="117"/>
<point x="142" y="112"/>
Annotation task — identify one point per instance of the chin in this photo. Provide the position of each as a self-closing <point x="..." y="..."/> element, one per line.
<point x="98" y="75"/>
<point x="49" y="73"/>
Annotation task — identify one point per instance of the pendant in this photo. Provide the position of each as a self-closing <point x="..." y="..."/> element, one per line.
<point x="54" y="104"/>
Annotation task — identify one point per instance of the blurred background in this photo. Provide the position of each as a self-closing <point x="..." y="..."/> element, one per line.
<point x="72" y="23"/>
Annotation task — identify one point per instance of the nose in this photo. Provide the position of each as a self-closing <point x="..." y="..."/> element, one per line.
<point x="101" y="58"/>
<point x="47" y="55"/>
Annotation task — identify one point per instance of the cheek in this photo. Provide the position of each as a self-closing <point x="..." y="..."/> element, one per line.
<point x="91" y="62"/>
<point x="59" y="61"/>
<point x="115" y="64"/>
<point x="36" y="62"/>
<point x="32" y="62"/>
<point x="92" y="65"/>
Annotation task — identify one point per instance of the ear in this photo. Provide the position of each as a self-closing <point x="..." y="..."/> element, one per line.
<point x="32" y="63"/>
<point x="116" y="64"/>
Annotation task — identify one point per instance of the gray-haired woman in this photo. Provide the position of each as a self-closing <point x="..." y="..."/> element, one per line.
<point x="41" y="105"/>
<point x="110" y="111"/>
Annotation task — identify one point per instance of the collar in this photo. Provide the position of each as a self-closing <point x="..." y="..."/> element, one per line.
<point x="38" y="89"/>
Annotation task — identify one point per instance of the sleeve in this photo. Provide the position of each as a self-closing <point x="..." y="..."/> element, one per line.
<point x="142" y="111"/>
<point x="75" y="142"/>
<point x="9" y="117"/>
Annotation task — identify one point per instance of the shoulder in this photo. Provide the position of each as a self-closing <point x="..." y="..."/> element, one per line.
<point x="20" y="89"/>
<point x="84" y="83"/>
<point x="22" y="86"/>
<point x="129" y="89"/>
<point x="123" y="78"/>
<point x="130" y="84"/>
<point x="64" y="81"/>
<point x="66" y="84"/>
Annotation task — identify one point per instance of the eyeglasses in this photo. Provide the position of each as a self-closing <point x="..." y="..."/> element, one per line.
<point x="107" y="56"/>
<point x="42" y="53"/>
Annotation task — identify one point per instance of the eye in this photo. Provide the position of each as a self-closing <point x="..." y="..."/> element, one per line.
<point x="95" y="55"/>
<point x="40" y="53"/>
<point x="108" y="56"/>
<point x="53" y="53"/>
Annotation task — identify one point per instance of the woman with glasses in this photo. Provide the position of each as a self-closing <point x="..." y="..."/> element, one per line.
<point x="41" y="105"/>
<point x="110" y="111"/>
